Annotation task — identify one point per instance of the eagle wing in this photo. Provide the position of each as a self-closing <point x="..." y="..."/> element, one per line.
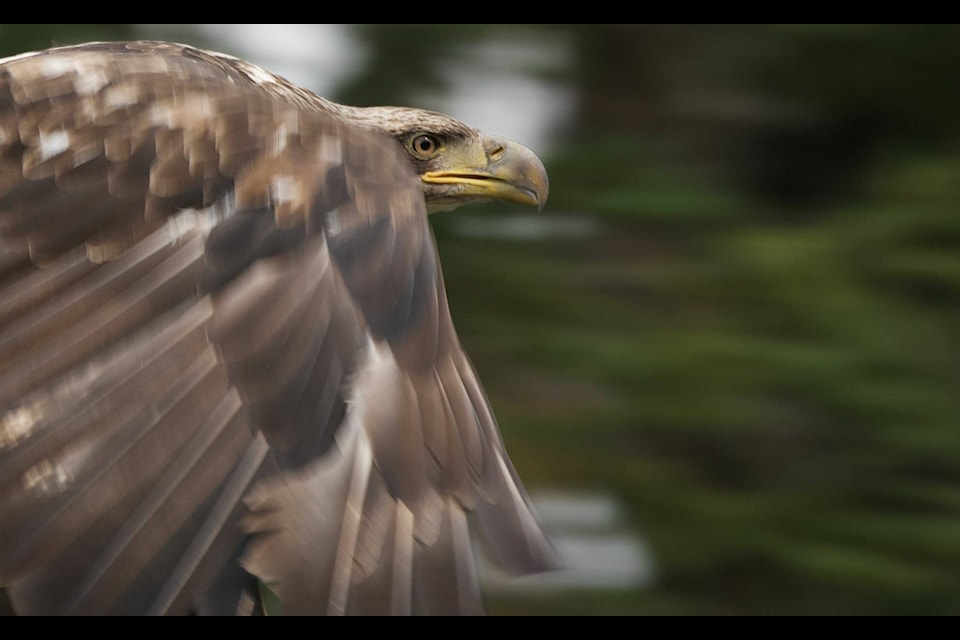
<point x="226" y="354"/>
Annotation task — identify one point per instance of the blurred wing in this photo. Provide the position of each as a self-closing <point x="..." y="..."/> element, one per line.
<point x="226" y="352"/>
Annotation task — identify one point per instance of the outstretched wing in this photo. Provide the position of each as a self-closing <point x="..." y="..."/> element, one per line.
<point x="226" y="353"/>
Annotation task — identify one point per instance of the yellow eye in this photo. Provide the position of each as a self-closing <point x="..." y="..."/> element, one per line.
<point x="425" y="145"/>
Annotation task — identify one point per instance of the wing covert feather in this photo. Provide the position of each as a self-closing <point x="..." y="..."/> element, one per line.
<point x="226" y="352"/>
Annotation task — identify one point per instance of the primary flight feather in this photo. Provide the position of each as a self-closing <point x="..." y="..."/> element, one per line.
<point x="226" y="355"/>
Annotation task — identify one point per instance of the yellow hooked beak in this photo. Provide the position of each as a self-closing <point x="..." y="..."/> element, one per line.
<point x="509" y="171"/>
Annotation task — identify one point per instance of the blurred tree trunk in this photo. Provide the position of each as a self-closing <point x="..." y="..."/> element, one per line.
<point x="630" y="74"/>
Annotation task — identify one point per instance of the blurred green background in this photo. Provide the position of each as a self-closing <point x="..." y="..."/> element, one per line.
<point x="733" y="330"/>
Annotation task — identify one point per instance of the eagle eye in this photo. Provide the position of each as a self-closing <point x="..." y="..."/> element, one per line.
<point x="425" y="146"/>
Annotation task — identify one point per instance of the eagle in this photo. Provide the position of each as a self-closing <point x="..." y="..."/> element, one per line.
<point x="227" y="362"/>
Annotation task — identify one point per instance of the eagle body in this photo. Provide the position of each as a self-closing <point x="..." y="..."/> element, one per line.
<point x="226" y="355"/>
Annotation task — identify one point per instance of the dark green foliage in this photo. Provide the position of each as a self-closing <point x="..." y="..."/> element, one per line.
<point x="17" y="38"/>
<point x="760" y="354"/>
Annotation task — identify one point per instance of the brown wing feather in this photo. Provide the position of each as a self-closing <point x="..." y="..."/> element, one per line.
<point x="206" y="277"/>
